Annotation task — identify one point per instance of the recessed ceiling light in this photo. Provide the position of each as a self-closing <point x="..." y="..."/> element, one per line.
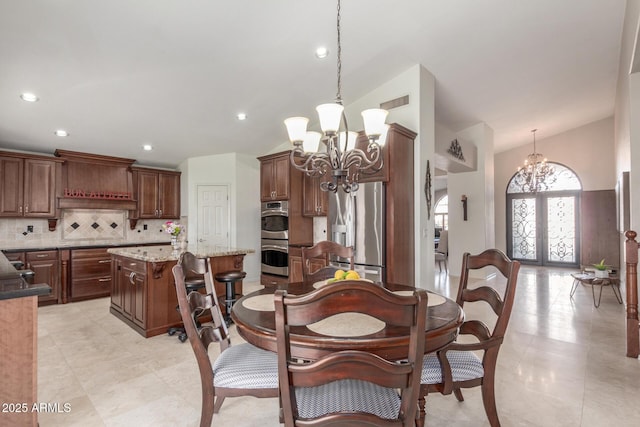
<point x="61" y="132"/>
<point x="322" y="52"/>
<point x="241" y="116"/>
<point x="29" y="97"/>
<point x="147" y="147"/>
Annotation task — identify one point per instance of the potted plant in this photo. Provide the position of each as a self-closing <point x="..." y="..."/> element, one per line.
<point x="602" y="270"/>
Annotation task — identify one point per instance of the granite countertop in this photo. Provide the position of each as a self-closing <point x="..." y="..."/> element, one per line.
<point x="12" y="285"/>
<point x="166" y="252"/>
<point x="26" y="247"/>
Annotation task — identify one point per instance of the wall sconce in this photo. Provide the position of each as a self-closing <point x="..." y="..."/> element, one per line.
<point x="464" y="206"/>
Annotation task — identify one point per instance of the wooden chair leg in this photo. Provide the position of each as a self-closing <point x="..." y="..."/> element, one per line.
<point x="218" y="404"/>
<point x="458" y="394"/>
<point x="489" y="401"/>
<point x="206" y="415"/>
<point x="420" y="414"/>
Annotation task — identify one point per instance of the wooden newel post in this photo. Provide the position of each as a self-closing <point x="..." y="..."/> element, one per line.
<point x="631" y="283"/>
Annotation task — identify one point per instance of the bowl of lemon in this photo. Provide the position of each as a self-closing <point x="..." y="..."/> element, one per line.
<point x="346" y="275"/>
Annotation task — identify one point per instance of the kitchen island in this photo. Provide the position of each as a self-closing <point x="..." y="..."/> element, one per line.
<point x="143" y="293"/>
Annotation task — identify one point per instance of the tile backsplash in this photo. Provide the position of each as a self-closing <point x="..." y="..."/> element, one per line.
<point x="81" y="227"/>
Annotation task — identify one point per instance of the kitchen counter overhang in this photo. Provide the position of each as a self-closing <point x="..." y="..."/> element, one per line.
<point x="13" y="285"/>
<point x="167" y="253"/>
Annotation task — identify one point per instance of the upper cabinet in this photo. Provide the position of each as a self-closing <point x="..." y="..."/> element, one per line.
<point x="28" y="186"/>
<point x="274" y="177"/>
<point x="315" y="200"/>
<point x="158" y="193"/>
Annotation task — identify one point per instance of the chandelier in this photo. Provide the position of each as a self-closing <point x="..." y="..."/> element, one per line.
<point x="339" y="157"/>
<point x="536" y="174"/>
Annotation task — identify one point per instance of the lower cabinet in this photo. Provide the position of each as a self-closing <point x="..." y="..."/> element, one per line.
<point x="129" y="292"/>
<point x="46" y="266"/>
<point x="90" y="274"/>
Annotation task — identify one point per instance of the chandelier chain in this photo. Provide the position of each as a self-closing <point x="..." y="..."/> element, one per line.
<point x="339" y="58"/>
<point x="536" y="174"/>
<point x="341" y="159"/>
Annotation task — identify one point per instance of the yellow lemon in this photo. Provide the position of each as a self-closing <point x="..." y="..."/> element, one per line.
<point x="339" y="275"/>
<point x="352" y="275"/>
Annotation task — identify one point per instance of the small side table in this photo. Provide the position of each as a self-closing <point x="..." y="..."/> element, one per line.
<point x="593" y="281"/>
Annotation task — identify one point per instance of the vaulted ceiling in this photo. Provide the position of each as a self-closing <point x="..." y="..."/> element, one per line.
<point x="118" y="74"/>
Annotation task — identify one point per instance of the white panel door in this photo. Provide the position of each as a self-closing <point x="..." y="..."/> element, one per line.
<point x="213" y="215"/>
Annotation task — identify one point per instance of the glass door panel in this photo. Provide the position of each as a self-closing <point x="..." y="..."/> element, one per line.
<point x="524" y="229"/>
<point x="561" y="230"/>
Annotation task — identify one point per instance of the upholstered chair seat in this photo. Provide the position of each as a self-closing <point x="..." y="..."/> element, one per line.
<point x="465" y="365"/>
<point x="246" y="366"/>
<point x="348" y="396"/>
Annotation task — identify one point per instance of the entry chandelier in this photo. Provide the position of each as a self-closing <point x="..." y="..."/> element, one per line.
<point x="340" y="157"/>
<point x="536" y="174"/>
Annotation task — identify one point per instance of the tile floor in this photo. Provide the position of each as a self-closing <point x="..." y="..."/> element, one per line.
<point x="562" y="364"/>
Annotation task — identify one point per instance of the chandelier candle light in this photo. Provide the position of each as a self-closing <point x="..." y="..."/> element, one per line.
<point x="341" y="157"/>
<point x="536" y="174"/>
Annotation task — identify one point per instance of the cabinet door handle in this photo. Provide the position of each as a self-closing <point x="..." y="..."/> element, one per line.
<point x="132" y="277"/>
<point x="156" y="212"/>
<point x="41" y="256"/>
<point x="104" y="261"/>
<point x="105" y="279"/>
<point x="160" y="212"/>
<point x="20" y="209"/>
<point x="26" y="209"/>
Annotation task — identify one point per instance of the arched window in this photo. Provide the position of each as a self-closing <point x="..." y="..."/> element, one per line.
<point x="565" y="179"/>
<point x="542" y="227"/>
<point x="441" y="215"/>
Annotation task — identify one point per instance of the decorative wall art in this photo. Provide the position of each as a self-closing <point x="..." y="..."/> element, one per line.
<point x="456" y="150"/>
<point x="427" y="189"/>
<point x="464" y="207"/>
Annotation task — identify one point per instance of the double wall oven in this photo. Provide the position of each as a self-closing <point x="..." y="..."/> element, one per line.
<point x="275" y="238"/>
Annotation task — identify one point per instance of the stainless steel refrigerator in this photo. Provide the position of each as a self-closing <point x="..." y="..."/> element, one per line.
<point x="358" y="219"/>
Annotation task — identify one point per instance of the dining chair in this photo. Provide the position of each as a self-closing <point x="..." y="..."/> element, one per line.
<point x="239" y="370"/>
<point x="457" y="366"/>
<point x="350" y="387"/>
<point x="442" y="251"/>
<point x="323" y="249"/>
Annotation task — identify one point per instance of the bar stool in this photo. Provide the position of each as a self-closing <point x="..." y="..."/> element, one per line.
<point x="229" y="278"/>
<point x="191" y="284"/>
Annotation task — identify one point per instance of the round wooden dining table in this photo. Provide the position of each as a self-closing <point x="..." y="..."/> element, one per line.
<point x="254" y="317"/>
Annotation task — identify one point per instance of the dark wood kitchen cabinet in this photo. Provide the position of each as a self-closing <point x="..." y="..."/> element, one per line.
<point x="157" y="192"/>
<point x="90" y="274"/>
<point x="129" y="292"/>
<point x="46" y="266"/>
<point x="28" y="186"/>
<point x="275" y="177"/>
<point x="315" y="200"/>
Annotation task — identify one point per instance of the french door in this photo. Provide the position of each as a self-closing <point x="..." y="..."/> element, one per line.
<point x="544" y="228"/>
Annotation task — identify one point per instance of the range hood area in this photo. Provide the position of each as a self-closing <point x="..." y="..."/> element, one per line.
<point x="91" y="181"/>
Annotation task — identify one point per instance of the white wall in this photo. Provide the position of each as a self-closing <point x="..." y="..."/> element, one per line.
<point x="248" y="212"/>
<point x="587" y="150"/>
<point x="241" y="173"/>
<point x="477" y="233"/>
<point x="418" y="115"/>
